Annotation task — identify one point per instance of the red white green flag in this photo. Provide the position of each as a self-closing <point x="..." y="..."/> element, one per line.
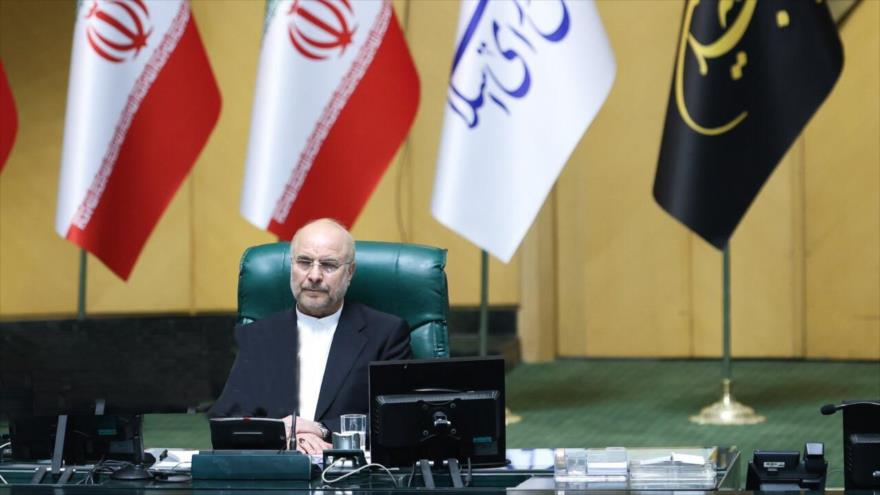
<point x="337" y="92"/>
<point x="8" y="118"/>
<point x="141" y="103"/>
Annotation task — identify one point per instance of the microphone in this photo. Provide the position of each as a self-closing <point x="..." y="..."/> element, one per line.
<point x="829" y="409"/>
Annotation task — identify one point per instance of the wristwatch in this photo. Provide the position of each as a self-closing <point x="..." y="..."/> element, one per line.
<point x="325" y="432"/>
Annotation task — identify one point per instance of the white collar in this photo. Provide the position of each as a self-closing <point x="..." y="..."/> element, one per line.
<point x="329" y="321"/>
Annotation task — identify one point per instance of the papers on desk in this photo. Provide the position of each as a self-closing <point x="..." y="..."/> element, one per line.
<point x="611" y="461"/>
<point x="673" y="468"/>
<point x="581" y="465"/>
<point x="617" y="467"/>
<point x="530" y="459"/>
<point x="673" y="458"/>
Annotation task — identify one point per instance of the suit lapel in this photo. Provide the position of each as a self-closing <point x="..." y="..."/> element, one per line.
<point x="292" y="342"/>
<point x="344" y="350"/>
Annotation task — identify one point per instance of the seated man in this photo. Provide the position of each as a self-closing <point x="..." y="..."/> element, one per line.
<point x="311" y="361"/>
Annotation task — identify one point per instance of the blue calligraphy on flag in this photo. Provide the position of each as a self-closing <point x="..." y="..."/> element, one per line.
<point x="491" y="61"/>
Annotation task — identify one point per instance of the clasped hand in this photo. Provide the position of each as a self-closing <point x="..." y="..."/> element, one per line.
<point x="308" y="435"/>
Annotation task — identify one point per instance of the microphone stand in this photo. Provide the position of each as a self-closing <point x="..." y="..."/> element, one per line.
<point x="137" y="470"/>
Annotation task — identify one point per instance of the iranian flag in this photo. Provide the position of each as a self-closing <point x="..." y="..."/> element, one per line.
<point x="8" y="118"/>
<point x="141" y="103"/>
<point x="336" y="94"/>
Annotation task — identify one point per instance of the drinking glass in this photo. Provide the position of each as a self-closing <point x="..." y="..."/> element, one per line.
<point x="355" y="424"/>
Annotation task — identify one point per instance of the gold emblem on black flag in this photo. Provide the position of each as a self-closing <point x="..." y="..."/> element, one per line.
<point x="748" y="76"/>
<point x="717" y="48"/>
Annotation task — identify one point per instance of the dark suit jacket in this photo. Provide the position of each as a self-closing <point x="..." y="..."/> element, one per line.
<point x="263" y="379"/>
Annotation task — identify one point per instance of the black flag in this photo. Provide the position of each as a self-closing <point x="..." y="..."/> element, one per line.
<point x="748" y="76"/>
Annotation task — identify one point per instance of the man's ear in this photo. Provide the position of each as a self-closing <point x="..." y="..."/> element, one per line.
<point x="352" y="268"/>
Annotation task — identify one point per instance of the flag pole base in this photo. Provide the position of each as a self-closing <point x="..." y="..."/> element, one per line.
<point x="727" y="411"/>
<point x="510" y="418"/>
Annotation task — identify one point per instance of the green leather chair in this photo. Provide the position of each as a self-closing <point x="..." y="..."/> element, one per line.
<point x="406" y="280"/>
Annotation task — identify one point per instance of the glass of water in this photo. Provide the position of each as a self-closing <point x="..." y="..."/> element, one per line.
<point x="355" y="425"/>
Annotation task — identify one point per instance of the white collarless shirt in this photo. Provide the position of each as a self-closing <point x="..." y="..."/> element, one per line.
<point x="314" y="337"/>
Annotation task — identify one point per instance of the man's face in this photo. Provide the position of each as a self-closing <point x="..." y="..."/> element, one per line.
<point x="321" y="269"/>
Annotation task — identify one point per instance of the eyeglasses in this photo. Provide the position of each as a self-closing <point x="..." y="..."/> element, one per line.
<point x="327" y="267"/>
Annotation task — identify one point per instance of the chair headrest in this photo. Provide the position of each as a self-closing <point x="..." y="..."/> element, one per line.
<point x="407" y="280"/>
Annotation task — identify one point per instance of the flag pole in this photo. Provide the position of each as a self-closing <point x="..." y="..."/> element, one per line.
<point x="509" y="416"/>
<point x="484" y="302"/>
<point x="726" y="411"/>
<point x="81" y="296"/>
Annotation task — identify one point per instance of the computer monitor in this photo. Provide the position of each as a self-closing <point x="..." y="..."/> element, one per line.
<point x="126" y="366"/>
<point x="86" y="438"/>
<point x="437" y="409"/>
<point x="101" y="375"/>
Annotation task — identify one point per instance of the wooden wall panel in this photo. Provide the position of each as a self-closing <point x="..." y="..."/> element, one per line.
<point x="219" y="232"/>
<point x="38" y="269"/>
<point x="762" y="269"/>
<point x="623" y="281"/>
<point x="843" y="202"/>
<point x="537" y="320"/>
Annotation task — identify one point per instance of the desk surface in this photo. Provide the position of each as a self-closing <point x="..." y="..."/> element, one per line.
<point x="530" y="470"/>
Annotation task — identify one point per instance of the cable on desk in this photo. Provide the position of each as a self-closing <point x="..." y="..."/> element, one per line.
<point x="176" y="474"/>
<point x="3" y="480"/>
<point x="355" y="471"/>
<point x="104" y="466"/>
<point x="179" y="473"/>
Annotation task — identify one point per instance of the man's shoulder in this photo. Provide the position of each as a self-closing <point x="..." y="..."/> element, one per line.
<point x="390" y="333"/>
<point x="271" y="324"/>
<point x="374" y="316"/>
<point x="283" y="316"/>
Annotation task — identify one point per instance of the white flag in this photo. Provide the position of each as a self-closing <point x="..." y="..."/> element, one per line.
<point x="527" y="79"/>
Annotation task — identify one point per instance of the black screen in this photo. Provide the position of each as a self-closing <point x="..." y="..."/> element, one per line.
<point x="436" y="409"/>
<point x="87" y="438"/>
<point x="102" y="374"/>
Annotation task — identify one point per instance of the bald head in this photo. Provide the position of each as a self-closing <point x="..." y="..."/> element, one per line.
<point x="322" y="264"/>
<point x="324" y="230"/>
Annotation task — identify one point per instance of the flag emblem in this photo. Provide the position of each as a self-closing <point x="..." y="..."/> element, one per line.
<point x="527" y="79"/>
<point x="748" y="77"/>
<point x="503" y="55"/>
<point x="320" y="150"/>
<point x="133" y="127"/>
<point x="115" y="28"/>
<point x="320" y="27"/>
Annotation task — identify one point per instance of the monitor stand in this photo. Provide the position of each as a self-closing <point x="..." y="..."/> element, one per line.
<point x="60" y="432"/>
<point x="454" y="473"/>
<point x="55" y="467"/>
<point x="136" y="471"/>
